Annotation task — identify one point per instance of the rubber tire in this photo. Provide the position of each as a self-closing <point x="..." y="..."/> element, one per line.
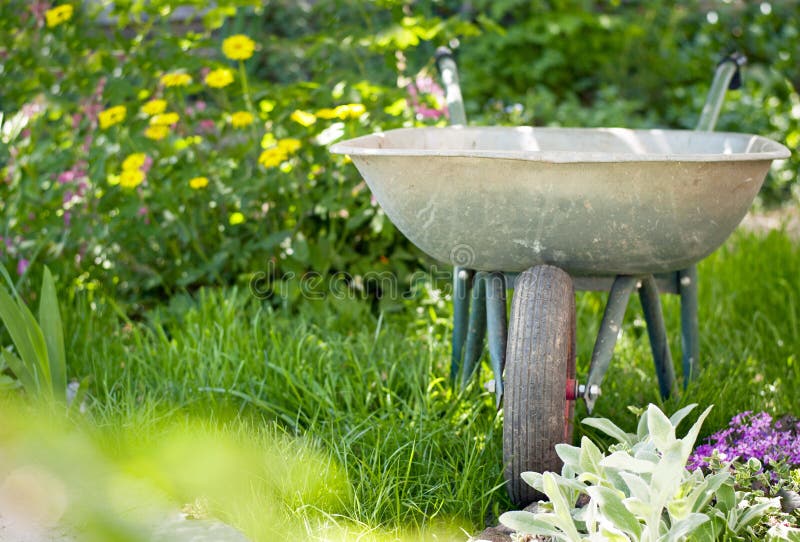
<point x="540" y="357"/>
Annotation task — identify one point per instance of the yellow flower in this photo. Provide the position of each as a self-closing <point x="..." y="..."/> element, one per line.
<point x="156" y="132"/>
<point x="236" y="218"/>
<point x="219" y="78"/>
<point x="327" y="113"/>
<point x="58" y="15"/>
<point x="268" y="141"/>
<point x="303" y="117"/>
<point x="176" y="79"/>
<point x="238" y="47"/>
<point x="198" y="182"/>
<point x="289" y="144"/>
<point x="352" y="111"/>
<point x="111" y="116"/>
<point x="154" y="107"/>
<point x="131" y="178"/>
<point x="164" y="119"/>
<point x="134" y="161"/>
<point x="241" y="119"/>
<point x="185" y="142"/>
<point x="272" y="157"/>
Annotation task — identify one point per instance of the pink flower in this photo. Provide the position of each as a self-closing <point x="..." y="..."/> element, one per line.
<point x="38" y="9"/>
<point x="207" y="125"/>
<point x="22" y="266"/>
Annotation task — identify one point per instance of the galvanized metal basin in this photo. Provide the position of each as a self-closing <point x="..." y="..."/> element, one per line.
<point x="591" y="201"/>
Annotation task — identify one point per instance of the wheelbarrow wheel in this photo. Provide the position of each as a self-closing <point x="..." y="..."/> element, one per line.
<point x="540" y="359"/>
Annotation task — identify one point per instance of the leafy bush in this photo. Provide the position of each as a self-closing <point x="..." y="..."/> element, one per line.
<point x="642" y="491"/>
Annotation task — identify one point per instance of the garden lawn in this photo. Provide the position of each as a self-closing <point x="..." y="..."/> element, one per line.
<point x="328" y="421"/>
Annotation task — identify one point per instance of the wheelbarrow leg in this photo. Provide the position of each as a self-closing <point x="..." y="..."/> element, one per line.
<point x="657" y="331"/>
<point x="496" y="322"/>
<point x="461" y="285"/>
<point x="607" y="336"/>
<point x="690" y="327"/>
<point x="476" y="330"/>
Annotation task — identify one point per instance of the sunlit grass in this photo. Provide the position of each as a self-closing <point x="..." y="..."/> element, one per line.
<point x="330" y="423"/>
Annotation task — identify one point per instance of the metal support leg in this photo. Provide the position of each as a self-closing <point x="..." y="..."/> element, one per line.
<point x="477" y="329"/>
<point x="657" y="331"/>
<point x="461" y="284"/>
<point x="607" y="336"/>
<point x="496" y="322"/>
<point x="690" y="327"/>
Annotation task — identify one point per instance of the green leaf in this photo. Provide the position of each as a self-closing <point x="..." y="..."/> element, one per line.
<point x="726" y="498"/>
<point x="637" y="487"/>
<point x="638" y="507"/>
<point x="753" y="513"/>
<point x="560" y="506"/>
<point x="528" y="523"/>
<point x="676" y="418"/>
<point x="8" y="383"/>
<point x="53" y="331"/>
<point x="661" y="430"/>
<point x="39" y="345"/>
<point x="570" y="455"/>
<point x="684" y="528"/>
<point x="625" y="462"/>
<point x="590" y="457"/>
<point x="705" y="492"/>
<point x="533" y="479"/>
<point x="690" y="438"/>
<point x="611" y="505"/>
<point x="26" y="378"/>
<point x="15" y="322"/>
<point x="610" y="429"/>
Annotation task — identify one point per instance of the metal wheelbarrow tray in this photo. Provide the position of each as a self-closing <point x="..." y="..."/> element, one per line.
<point x="545" y="211"/>
<point x="591" y="201"/>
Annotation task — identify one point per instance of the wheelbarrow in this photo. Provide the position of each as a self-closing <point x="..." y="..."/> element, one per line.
<point x="545" y="211"/>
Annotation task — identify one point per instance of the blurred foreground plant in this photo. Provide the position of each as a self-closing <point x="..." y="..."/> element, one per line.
<point x="38" y="359"/>
<point x="39" y="362"/>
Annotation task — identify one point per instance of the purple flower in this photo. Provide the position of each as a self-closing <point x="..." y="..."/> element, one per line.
<point x="22" y="266"/>
<point x="749" y="436"/>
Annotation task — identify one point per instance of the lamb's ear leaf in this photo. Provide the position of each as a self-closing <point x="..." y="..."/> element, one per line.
<point x="528" y="523"/>
<point x="676" y="418"/>
<point x="609" y="428"/>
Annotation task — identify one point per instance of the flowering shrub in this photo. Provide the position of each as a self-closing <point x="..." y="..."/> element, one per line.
<point x="752" y="436"/>
<point x="150" y="156"/>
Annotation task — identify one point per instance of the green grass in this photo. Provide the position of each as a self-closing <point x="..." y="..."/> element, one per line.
<point x="330" y="422"/>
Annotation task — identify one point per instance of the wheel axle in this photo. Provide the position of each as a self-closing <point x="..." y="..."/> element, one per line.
<point x="576" y="391"/>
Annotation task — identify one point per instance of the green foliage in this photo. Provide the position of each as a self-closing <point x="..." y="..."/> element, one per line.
<point x="642" y="491"/>
<point x="71" y="199"/>
<point x="63" y="198"/>
<point x="372" y="395"/>
<point x="39" y="362"/>
<point x="574" y="63"/>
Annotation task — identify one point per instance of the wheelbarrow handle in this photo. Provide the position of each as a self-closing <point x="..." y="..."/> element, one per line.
<point x="449" y="73"/>
<point x="727" y="76"/>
